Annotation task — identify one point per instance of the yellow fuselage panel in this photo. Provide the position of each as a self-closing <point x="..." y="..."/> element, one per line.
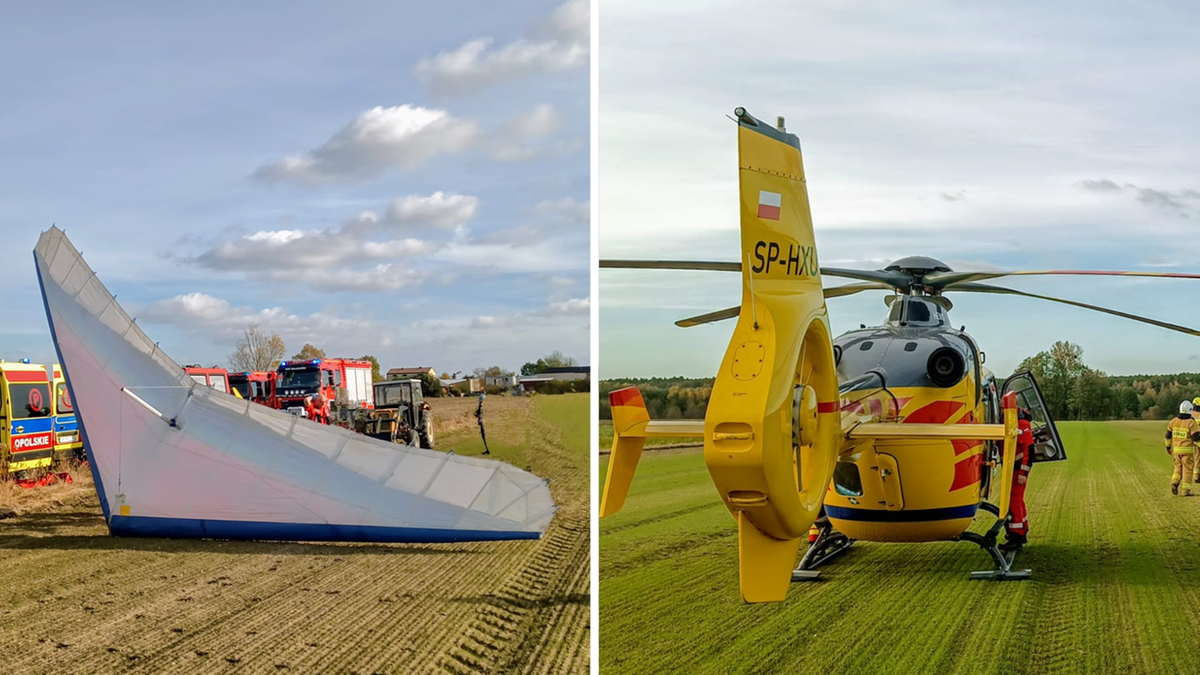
<point x="937" y="480"/>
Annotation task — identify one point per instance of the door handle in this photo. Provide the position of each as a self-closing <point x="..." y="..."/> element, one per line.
<point x="20" y="430"/>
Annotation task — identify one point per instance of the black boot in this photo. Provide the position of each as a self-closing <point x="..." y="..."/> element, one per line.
<point x="1013" y="542"/>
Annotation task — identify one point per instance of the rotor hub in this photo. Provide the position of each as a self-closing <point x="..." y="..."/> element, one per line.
<point x="804" y="415"/>
<point x="918" y="265"/>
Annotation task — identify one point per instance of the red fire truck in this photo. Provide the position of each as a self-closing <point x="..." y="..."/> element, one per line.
<point x="307" y="388"/>
<point x="217" y="378"/>
<point x="257" y="386"/>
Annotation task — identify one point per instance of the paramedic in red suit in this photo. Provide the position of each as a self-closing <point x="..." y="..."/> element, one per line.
<point x="1018" y="520"/>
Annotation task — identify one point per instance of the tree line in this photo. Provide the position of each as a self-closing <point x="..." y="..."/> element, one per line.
<point x="260" y="351"/>
<point x="666" y="398"/>
<point x="1075" y="391"/>
<point x="1072" y="389"/>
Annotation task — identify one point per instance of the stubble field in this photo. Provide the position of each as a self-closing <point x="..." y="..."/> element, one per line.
<point x="76" y="600"/>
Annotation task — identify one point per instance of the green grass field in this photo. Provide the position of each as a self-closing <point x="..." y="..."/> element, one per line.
<point x="1115" y="587"/>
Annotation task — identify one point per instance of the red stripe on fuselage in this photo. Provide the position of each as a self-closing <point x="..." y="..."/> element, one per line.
<point x="966" y="472"/>
<point x="937" y="412"/>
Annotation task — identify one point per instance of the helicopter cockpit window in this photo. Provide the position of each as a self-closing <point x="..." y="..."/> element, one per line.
<point x="916" y="311"/>
<point x="846" y="479"/>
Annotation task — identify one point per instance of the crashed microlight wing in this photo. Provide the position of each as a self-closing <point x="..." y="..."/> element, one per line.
<point x="171" y="458"/>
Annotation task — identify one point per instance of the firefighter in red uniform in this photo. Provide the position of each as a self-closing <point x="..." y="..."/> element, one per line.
<point x="320" y="408"/>
<point x="1017" y="527"/>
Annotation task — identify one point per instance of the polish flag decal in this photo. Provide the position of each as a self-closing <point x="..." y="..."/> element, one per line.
<point x="768" y="205"/>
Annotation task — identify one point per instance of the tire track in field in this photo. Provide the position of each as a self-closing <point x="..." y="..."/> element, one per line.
<point x="1049" y="608"/>
<point x="536" y="623"/>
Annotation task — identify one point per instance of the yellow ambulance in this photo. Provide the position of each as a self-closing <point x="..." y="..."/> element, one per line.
<point x="68" y="444"/>
<point x="27" y="412"/>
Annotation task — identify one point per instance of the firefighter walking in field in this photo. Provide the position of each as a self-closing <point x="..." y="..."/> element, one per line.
<point x="1183" y="434"/>
<point x="1017" y="526"/>
<point x="1196" y="464"/>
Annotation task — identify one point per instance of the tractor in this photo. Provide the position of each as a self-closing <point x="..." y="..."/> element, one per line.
<point x="400" y="414"/>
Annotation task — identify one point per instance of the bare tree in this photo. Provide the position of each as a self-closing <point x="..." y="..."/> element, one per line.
<point x="555" y="359"/>
<point x="257" y="351"/>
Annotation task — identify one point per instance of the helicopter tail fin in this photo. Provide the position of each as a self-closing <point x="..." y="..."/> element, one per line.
<point x="764" y="563"/>
<point x="771" y="433"/>
<point x="631" y="427"/>
<point x="629" y="437"/>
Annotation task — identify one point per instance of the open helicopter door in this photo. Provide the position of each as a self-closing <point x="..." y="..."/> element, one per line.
<point x="1047" y="445"/>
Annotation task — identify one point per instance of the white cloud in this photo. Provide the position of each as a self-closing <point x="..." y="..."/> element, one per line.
<point x="208" y="315"/>
<point x="557" y="43"/>
<point x="324" y="259"/>
<point x="569" y="311"/>
<point x="378" y="139"/>
<point x="439" y="210"/>
<point x="294" y="250"/>
<point x="542" y="120"/>
<point x="407" y="136"/>
<point x="579" y="213"/>
<point x="385" y="277"/>
<point x="580" y="306"/>
<point x="542" y="255"/>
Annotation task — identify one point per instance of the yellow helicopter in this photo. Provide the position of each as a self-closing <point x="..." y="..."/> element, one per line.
<point x="895" y="433"/>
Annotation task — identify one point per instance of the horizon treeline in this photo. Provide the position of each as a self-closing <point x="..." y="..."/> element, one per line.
<point x="1072" y="389"/>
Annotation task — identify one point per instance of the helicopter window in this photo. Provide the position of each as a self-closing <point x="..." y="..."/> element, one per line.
<point x="846" y="479"/>
<point x="894" y="312"/>
<point x="918" y="312"/>
<point x="910" y="347"/>
<point x="865" y="346"/>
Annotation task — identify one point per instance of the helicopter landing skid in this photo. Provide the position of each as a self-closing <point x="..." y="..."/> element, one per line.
<point x="829" y="545"/>
<point x="1002" y="559"/>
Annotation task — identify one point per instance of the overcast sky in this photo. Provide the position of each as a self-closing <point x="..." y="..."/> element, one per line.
<point x="989" y="135"/>
<point x="409" y="180"/>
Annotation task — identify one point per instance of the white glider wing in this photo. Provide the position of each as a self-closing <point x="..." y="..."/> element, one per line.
<point x="172" y="458"/>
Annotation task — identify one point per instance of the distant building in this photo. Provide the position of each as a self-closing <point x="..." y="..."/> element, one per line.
<point x="462" y="386"/>
<point x="531" y="382"/>
<point x="504" y="381"/>
<point x="569" y="373"/>
<point x="411" y="373"/>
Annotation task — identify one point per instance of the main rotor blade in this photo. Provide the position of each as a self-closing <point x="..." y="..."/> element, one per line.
<point x="703" y="265"/>
<point x="719" y="315"/>
<point x="948" y="280"/>
<point x="851" y="289"/>
<point x="892" y="279"/>
<point x="732" y="312"/>
<point x="987" y="288"/>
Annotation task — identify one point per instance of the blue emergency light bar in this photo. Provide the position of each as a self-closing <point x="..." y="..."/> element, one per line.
<point x="25" y="360"/>
<point x="315" y="361"/>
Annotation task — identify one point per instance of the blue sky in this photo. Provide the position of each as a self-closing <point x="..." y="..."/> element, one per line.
<point x="409" y="180"/>
<point x="1010" y="136"/>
